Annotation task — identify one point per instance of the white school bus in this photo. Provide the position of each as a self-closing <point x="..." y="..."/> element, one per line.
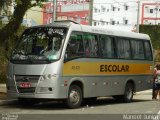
<point x="68" y="61"/>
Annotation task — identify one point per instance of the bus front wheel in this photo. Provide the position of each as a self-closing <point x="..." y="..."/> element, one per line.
<point x="74" y="99"/>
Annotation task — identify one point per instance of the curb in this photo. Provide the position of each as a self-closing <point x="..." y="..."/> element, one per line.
<point x="3" y="88"/>
<point x="6" y="102"/>
<point x="149" y="92"/>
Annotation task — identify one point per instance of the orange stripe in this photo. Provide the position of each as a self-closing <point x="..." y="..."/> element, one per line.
<point x="103" y="68"/>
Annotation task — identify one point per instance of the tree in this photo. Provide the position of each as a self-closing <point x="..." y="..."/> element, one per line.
<point x="4" y="4"/>
<point x="21" y="6"/>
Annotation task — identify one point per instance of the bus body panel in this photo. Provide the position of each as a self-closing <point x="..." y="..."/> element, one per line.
<point x="99" y="77"/>
<point x="106" y="83"/>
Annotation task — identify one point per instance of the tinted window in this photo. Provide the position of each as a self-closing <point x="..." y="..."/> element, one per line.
<point x="75" y="46"/>
<point x="137" y="49"/>
<point x="107" y="48"/>
<point x="40" y="44"/>
<point x="148" y="50"/>
<point x="123" y="48"/>
<point x="91" y="45"/>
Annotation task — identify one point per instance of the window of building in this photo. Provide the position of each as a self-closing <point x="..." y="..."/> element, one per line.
<point x="95" y="23"/>
<point x="103" y="8"/>
<point x="102" y="23"/>
<point x="95" y="10"/>
<point x="113" y="8"/>
<point x="113" y="22"/>
<point x="151" y="11"/>
<point x="126" y="7"/>
<point x="147" y="9"/>
<point x="125" y="22"/>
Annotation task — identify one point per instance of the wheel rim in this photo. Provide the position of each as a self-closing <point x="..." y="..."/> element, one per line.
<point x="74" y="97"/>
<point x="129" y="92"/>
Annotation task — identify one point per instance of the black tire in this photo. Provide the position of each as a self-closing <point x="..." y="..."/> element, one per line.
<point x="128" y="94"/>
<point x="74" y="99"/>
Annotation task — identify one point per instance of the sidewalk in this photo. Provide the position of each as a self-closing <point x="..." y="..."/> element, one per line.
<point x="3" y="92"/>
<point x="3" y="88"/>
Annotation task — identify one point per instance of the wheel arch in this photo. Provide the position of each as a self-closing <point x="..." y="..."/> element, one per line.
<point x="79" y="83"/>
<point x="133" y="83"/>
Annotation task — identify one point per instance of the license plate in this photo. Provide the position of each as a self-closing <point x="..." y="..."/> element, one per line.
<point x="25" y="85"/>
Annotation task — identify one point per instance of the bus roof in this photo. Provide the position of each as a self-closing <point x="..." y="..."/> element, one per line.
<point x="74" y="26"/>
<point x="114" y="32"/>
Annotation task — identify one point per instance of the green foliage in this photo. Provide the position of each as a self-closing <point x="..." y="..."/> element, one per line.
<point x="4" y="54"/>
<point x="154" y="32"/>
<point x="18" y="1"/>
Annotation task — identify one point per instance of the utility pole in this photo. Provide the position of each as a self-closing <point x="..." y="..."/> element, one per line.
<point x="91" y="12"/>
<point x="156" y="14"/>
<point x="138" y="15"/>
<point x="54" y="11"/>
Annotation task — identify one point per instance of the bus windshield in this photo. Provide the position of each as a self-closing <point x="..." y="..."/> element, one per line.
<point x="40" y="44"/>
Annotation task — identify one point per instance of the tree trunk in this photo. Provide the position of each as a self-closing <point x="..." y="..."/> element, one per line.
<point x="11" y="28"/>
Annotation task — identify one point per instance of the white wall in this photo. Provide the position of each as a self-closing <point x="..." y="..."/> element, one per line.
<point x="104" y="15"/>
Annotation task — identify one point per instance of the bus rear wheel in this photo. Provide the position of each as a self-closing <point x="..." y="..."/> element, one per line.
<point x="128" y="94"/>
<point x="74" y="99"/>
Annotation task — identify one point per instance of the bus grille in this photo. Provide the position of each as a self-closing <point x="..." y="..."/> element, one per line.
<point x="33" y="80"/>
<point x="26" y="90"/>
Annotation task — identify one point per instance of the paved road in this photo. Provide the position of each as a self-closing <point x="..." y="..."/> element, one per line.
<point x="102" y="109"/>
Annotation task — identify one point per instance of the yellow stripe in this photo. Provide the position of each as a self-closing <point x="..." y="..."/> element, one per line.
<point x="105" y="68"/>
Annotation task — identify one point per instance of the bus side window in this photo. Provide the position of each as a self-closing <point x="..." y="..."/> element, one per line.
<point x="91" y="45"/>
<point x="137" y="49"/>
<point x="148" y="50"/>
<point x="107" y="47"/>
<point x="123" y="48"/>
<point x="75" y="46"/>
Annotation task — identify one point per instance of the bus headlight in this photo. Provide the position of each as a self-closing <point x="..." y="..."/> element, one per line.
<point x="48" y="77"/>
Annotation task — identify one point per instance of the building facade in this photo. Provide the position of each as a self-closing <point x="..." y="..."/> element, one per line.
<point x="77" y="10"/>
<point x="150" y="13"/>
<point x="123" y="14"/>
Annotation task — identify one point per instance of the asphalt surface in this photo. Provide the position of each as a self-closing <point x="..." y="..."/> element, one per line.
<point x="103" y="109"/>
